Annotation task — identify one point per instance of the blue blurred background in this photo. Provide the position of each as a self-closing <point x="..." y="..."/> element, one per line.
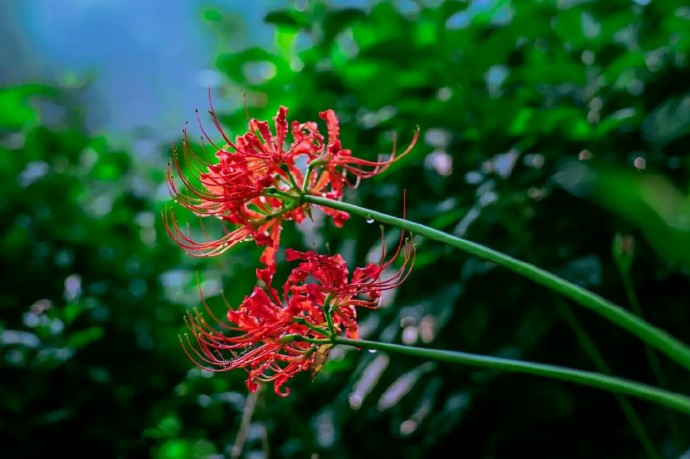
<point x="147" y="64"/>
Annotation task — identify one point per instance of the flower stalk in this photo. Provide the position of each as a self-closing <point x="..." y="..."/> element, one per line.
<point x="648" y="333"/>
<point x="613" y="384"/>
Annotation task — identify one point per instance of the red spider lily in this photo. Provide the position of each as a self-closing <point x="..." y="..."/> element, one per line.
<point x="237" y="189"/>
<point x="363" y="288"/>
<point x="257" y="327"/>
<point x="338" y="163"/>
<point x="256" y="182"/>
<point x="319" y="299"/>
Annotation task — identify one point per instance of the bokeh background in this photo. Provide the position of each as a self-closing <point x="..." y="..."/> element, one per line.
<point x="556" y="131"/>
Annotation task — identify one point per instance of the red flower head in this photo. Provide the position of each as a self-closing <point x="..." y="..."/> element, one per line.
<point x="274" y="338"/>
<point x="256" y="182"/>
<point x="339" y="164"/>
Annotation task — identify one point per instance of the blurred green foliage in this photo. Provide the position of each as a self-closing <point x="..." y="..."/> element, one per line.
<point x="550" y="131"/>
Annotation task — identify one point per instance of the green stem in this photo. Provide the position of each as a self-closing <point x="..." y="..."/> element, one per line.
<point x="307" y="174"/>
<point x="610" y="383"/>
<point x="594" y="354"/>
<point x="587" y="343"/>
<point x="303" y="321"/>
<point x="248" y="413"/>
<point x="290" y="207"/>
<point x="292" y="180"/>
<point x="656" y="337"/>
<point x="328" y="312"/>
<point x="652" y="357"/>
<point x="273" y="192"/>
<point x="637" y="309"/>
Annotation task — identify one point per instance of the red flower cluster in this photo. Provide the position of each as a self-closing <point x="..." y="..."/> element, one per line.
<point x="274" y="338"/>
<point x="256" y="182"/>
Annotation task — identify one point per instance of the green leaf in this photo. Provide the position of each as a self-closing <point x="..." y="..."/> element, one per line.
<point x="175" y="449"/>
<point x="287" y="19"/>
<point x="15" y="110"/>
<point x="337" y="21"/>
<point x="83" y="338"/>
<point x="212" y="15"/>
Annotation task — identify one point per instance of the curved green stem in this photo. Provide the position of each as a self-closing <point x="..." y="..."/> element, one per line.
<point x="303" y="321"/>
<point x="292" y="206"/>
<point x="610" y="383"/>
<point x="637" y="309"/>
<point x="654" y="336"/>
<point x="603" y="367"/>
<point x="652" y="356"/>
<point x="591" y="349"/>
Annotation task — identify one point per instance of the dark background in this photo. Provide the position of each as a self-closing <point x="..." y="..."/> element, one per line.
<point x="549" y="131"/>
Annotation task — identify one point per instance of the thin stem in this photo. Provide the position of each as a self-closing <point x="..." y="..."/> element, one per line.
<point x="590" y="348"/>
<point x="610" y="383"/>
<point x="247" y="415"/>
<point x="652" y="357"/>
<point x="292" y="180"/>
<point x="328" y="312"/>
<point x="637" y="309"/>
<point x="594" y="354"/>
<point x="273" y="192"/>
<point x="656" y="337"/>
<point x="290" y="207"/>
<point x="298" y="337"/>
<point x="307" y="175"/>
